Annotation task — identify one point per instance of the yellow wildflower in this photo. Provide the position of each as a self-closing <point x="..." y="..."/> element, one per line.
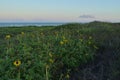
<point x="67" y="76"/>
<point x="17" y="63"/>
<point x="81" y="40"/>
<point x="50" y="54"/>
<point x="90" y="37"/>
<point x="61" y="42"/>
<point x="63" y="37"/>
<point x="7" y="36"/>
<point x="22" y="33"/>
<point x="51" y="60"/>
<point x="65" y="40"/>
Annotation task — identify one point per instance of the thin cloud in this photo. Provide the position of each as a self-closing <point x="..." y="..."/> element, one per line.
<point x="87" y="16"/>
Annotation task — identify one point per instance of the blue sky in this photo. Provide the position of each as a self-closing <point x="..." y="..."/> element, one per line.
<point x="59" y="10"/>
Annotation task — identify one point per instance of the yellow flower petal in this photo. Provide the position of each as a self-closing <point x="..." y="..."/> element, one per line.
<point x="17" y="63"/>
<point x="50" y="55"/>
<point x="61" y="42"/>
<point x="67" y="76"/>
<point x="7" y="36"/>
<point x="51" y="60"/>
<point x="22" y="33"/>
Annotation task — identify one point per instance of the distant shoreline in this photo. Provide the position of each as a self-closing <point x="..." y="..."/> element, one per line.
<point x="38" y="24"/>
<point x="29" y="24"/>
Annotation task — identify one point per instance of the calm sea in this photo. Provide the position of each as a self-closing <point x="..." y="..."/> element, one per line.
<point x="28" y="24"/>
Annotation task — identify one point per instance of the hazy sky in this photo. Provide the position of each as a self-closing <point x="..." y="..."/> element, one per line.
<point x="59" y="10"/>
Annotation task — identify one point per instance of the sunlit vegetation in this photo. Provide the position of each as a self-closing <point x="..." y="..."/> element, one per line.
<point x="88" y="51"/>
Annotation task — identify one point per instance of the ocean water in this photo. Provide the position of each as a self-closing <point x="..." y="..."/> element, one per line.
<point x="28" y="24"/>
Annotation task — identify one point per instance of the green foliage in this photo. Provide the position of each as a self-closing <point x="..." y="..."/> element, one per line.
<point x="51" y="53"/>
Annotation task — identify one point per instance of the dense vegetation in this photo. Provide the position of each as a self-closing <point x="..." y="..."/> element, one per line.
<point x="88" y="51"/>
